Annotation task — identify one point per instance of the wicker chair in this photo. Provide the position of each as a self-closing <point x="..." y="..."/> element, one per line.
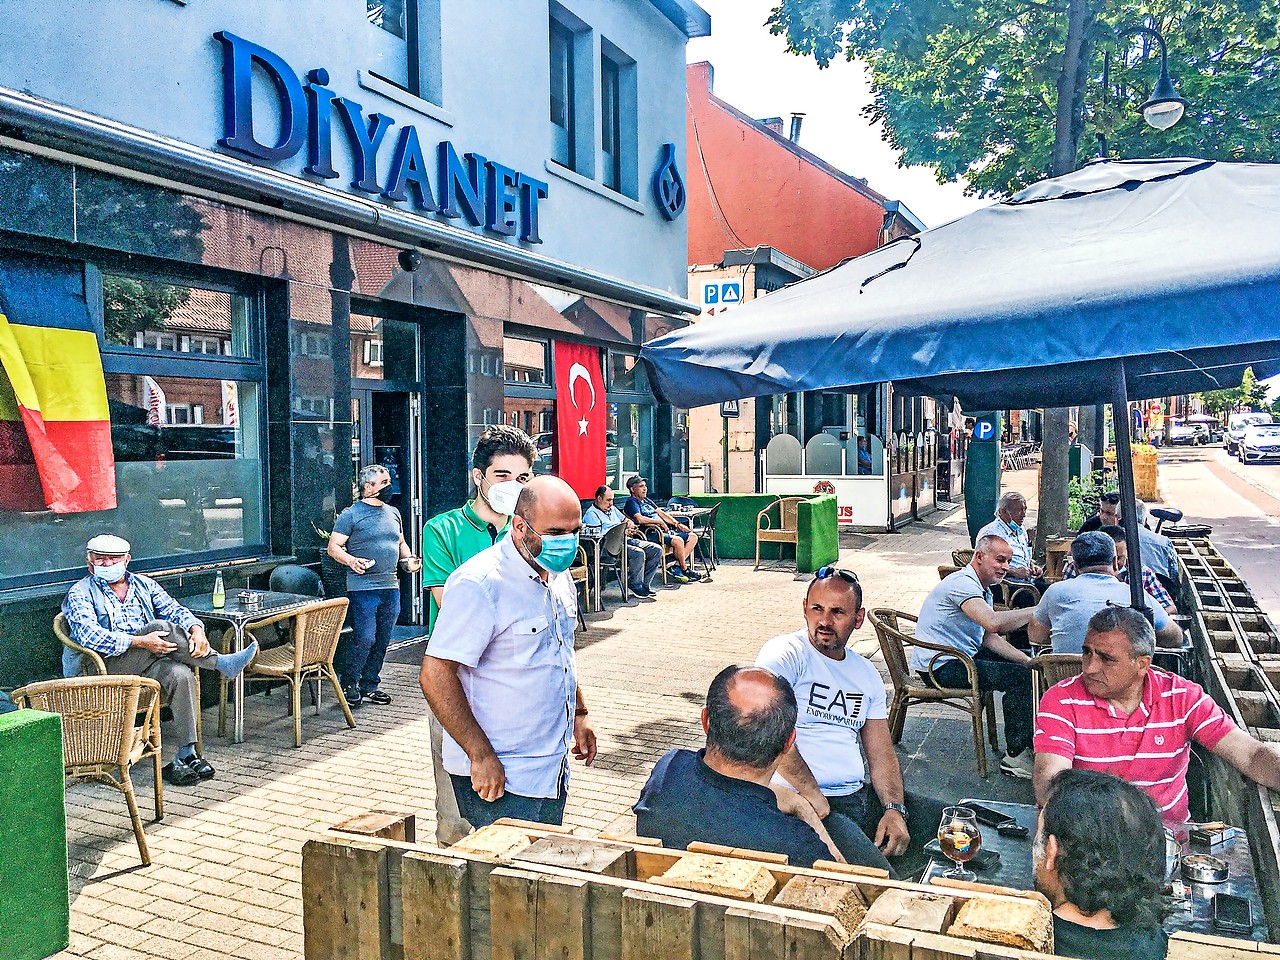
<point x="788" y="524"/>
<point x="1050" y="668"/>
<point x="908" y="688"/>
<point x="101" y="733"/>
<point x="945" y="570"/>
<point x="309" y="656"/>
<point x="93" y="665"/>
<point x="962" y="558"/>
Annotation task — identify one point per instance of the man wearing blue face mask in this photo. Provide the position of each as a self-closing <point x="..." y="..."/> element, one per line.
<point x="500" y="672"/>
<point x="138" y="629"/>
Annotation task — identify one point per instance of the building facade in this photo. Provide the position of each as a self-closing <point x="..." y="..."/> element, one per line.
<point x="315" y="235"/>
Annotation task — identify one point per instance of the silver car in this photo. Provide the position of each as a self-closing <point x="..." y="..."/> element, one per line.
<point x="1237" y="425"/>
<point x="1260" y="443"/>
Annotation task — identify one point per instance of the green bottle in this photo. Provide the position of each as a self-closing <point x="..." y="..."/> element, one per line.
<point x="219" y="592"/>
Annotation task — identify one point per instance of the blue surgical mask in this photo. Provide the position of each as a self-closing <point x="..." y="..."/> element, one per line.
<point x="110" y="572"/>
<point x="558" y="552"/>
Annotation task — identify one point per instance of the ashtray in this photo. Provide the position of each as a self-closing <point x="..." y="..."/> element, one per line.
<point x="1202" y="868"/>
<point x="250" y="599"/>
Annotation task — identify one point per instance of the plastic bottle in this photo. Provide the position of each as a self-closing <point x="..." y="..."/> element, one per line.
<point x="219" y="592"/>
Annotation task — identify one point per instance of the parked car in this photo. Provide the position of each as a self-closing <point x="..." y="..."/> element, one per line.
<point x="1188" y="434"/>
<point x="1237" y="425"/>
<point x="1212" y="424"/>
<point x="1260" y="443"/>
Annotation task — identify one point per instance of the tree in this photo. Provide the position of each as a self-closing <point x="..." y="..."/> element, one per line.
<point x="971" y="89"/>
<point x="1251" y="395"/>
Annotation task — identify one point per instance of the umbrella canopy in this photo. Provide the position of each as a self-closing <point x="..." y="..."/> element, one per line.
<point x="1164" y="272"/>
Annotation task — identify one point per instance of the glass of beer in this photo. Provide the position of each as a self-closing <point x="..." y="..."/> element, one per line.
<point x="960" y="839"/>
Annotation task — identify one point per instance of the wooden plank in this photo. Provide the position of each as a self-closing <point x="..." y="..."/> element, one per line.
<point x="815" y="938"/>
<point x="531" y="826"/>
<point x="576" y="853"/>
<point x="344" y="900"/>
<point x="535" y="917"/>
<point x="751" y="935"/>
<point x="385" y="824"/>
<point x="656" y="926"/>
<point x="833" y="866"/>
<point x="513" y="918"/>
<point x="435" y="907"/>
<point x="606" y="921"/>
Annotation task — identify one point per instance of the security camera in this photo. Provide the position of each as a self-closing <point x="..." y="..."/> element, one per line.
<point x="410" y="260"/>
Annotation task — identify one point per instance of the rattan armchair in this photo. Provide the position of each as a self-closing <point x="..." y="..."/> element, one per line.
<point x="962" y="558"/>
<point x="1050" y="668"/>
<point x="108" y="725"/>
<point x="909" y="687"/>
<point x="92" y="665"/>
<point x="787" y="529"/>
<point x="308" y="656"/>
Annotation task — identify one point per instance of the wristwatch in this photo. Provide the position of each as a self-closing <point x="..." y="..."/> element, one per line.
<point x="897" y="808"/>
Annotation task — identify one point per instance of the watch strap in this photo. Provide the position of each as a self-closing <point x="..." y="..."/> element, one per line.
<point x="897" y="808"/>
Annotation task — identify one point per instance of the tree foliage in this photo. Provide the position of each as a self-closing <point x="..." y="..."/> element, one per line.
<point x="968" y="87"/>
<point x="1250" y="395"/>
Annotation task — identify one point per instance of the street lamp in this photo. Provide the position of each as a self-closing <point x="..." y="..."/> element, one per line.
<point x="1165" y="108"/>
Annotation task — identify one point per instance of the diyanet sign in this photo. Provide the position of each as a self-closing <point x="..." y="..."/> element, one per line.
<point x="480" y="191"/>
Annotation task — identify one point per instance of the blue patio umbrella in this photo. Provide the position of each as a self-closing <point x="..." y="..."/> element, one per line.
<point x="1121" y="281"/>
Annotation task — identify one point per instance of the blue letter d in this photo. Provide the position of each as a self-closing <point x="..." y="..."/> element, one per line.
<point x="238" y="58"/>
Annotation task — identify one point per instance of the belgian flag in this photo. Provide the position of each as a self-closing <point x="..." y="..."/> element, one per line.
<point x="55" y="429"/>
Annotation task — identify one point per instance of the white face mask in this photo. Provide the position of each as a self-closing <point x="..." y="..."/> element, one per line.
<point x="110" y="572"/>
<point x="503" y="496"/>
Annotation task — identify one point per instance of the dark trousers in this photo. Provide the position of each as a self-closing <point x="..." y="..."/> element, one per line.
<point x="853" y="821"/>
<point x="372" y="615"/>
<point x="643" y="560"/>
<point x="1011" y="679"/>
<point x="480" y="813"/>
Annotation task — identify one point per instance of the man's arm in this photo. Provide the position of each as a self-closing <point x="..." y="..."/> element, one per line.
<point x="1048" y="766"/>
<point x="584" y="737"/>
<point x="1258" y="761"/>
<point x="1170" y="635"/>
<point x="1003" y="648"/>
<point x="444" y="692"/>
<point x="335" y="549"/>
<point x="171" y="611"/>
<point x="797" y="773"/>
<point x="794" y="805"/>
<point x="995" y="621"/>
<point x="85" y="629"/>
<point x="892" y="834"/>
<point x="1038" y="632"/>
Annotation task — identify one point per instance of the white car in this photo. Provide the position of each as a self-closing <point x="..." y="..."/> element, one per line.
<point x="1237" y="425"/>
<point x="1260" y="443"/>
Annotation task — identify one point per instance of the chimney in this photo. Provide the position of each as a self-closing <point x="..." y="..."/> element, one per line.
<point x="796" y="120"/>
<point x="773" y="123"/>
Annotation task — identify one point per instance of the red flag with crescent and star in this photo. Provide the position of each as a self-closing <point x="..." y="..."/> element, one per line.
<point x="580" y="417"/>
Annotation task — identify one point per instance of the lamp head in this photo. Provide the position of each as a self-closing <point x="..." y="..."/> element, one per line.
<point x="1165" y="108"/>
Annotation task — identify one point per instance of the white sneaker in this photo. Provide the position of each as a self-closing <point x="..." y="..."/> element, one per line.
<point x="1020" y="766"/>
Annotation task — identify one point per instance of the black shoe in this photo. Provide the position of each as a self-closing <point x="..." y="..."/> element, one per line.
<point x="203" y="768"/>
<point x="377" y="697"/>
<point x="693" y="575"/>
<point x="178" y="774"/>
<point x="352" y="696"/>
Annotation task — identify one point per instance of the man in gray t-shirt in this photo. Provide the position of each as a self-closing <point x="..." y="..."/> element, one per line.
<point x="958" y="615"/>
<point x="368" y="539"/>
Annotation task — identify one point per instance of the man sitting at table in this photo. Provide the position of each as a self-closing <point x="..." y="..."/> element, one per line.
<point x="1150" y="582"/>
<point x="644" y="557"/>
<point x="1065" y="609"/>
<point x="723" y="794"/>
<point x="1011" y="510"/>
<point x="1099" y="858"/>
<point x="651" y="518"/>
<point x="138" y="629"/>
<point x="958" y="613"/>
<point x="1123" y="716"/>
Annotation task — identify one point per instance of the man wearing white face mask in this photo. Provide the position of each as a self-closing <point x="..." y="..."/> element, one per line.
<point x="500" y="672"/>
<point x="501" y="464"/>
<point x="138" y="629"/>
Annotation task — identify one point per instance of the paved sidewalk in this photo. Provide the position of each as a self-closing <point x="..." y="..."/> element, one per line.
<point x="226" y="859"/>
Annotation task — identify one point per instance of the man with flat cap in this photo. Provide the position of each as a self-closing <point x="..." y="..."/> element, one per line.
<point x="139" y="630"/>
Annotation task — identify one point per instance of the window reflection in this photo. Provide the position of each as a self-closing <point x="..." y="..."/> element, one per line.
<point x="525" y="361"/>
<point x="149" y="314"/>
<point x="383" y="349"/>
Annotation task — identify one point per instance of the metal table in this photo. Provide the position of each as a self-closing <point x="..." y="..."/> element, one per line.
<point x="693" y="515"/>
<point x="241" y="619"/>
<point x="1189" y="903"/>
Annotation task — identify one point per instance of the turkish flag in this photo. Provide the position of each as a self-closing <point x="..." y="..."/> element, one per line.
<point x="580" y="417"/>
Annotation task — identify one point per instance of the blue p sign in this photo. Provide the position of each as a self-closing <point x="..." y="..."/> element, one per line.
<point x="710" y="293"/>
<point x="983" y="430"/>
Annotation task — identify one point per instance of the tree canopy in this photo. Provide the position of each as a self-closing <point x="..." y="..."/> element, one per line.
<point x="1251" y="395"/>
<point x="968" y="87"/>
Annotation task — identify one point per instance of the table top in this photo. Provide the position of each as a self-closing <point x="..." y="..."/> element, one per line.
<point x="272" y="603"/>
<point x="1189" y="903"/>
<point x="688" y="511"/>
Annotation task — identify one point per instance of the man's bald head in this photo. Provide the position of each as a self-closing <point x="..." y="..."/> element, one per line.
<point x="547" y="504"/>
<point x="750" y="716"/>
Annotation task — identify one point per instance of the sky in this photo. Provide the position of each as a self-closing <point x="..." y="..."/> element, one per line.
<point x="754" y="72"/>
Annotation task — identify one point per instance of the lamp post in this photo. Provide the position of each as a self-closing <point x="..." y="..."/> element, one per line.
<point x="1164" y="107"/>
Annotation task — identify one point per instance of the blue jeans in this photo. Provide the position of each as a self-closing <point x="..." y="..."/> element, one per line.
<point x="372" y="615"/>
<point x="643" y="560"/>
<point x="480" y="813"/>
<point x="1011" y="679"/>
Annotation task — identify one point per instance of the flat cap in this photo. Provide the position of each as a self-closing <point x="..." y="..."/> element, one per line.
<point x="109" y="544"/>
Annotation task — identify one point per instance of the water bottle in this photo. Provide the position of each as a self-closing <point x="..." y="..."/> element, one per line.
<point x="219" y="592"/>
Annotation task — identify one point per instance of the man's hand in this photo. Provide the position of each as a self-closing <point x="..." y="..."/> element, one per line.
<point x="155" y="642"/>
<point x="359" y="564"/>
<point x="412" y="564"/>
<point x="584" y="740"/>
<point x="892" y="835"/>
<point x="198" y="642"/>
<point x="794" y="805"/>
<point x="488" y="777"/>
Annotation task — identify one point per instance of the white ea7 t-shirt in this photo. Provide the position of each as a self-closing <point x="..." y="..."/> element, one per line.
<point x="834" y="699"/>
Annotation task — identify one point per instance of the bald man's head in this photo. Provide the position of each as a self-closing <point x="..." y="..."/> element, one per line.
<point x="750" y="716"/>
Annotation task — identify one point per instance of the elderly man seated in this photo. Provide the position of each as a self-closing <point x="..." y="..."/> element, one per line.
<point x="137" y="628"/>
<point x="1099" y="858"/>
<point x="958" y="613"/>
<point x="723" y="794"/>
<point x="1157" y="551"/>
<point x="652" y="519"/>
<point x="1065" y="609"/>
<point x="1123" y="716"/>
<point x="644" y="557"/>
<point x="1011" y="510"/>
<point x="1150" y="582"/>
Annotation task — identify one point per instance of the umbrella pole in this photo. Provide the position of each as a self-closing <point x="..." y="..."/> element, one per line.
<point x="1128" y="501"/>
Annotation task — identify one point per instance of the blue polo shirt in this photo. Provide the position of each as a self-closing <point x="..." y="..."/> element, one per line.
<point x="685" y="800"/>
<point x="943" y="621"/>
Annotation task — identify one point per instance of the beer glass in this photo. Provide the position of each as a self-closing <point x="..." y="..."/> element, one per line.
<point x="960" y="839"/>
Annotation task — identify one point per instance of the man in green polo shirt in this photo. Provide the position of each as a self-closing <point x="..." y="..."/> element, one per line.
<point x="501" y="464"/>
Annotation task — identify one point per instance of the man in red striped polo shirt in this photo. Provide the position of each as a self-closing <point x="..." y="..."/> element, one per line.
<point x="1124" y="717"/>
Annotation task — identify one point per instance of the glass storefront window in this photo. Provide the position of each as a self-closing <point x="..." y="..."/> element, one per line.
<point x="526" y="361"/>
<point x="383" y="349"/>
<point x="628" y="443"/>
<point x="536" y="417"/>
<point x="149" y="314"/>
<point x="627" y="373"/>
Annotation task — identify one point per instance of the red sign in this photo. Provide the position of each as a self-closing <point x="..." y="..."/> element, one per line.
<point x="580" y="417"/>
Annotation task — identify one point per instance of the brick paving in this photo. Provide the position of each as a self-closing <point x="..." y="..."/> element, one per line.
<point x="225" y="877"/>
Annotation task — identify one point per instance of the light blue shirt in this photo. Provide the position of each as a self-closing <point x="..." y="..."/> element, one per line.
<point x="1016" y="537"/>
<point x="1067" y="606"/>
<point x="599" y="520"/>
<point x="943" y="622"/>
<point x="1158" y="553"/>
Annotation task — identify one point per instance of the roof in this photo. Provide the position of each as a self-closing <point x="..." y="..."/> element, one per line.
<point x="900" y="209"/>
<point x="688" y="17"/>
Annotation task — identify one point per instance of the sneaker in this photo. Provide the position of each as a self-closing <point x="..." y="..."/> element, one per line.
<point x="177" y="773"/>
<point x="377" y="697"/>
<point x="676" y="574"/>
<point x="645" y="596"/>
<point x="693" y="575"/>
<point x="1020" y="766"/>
<point x="352" y="696"/>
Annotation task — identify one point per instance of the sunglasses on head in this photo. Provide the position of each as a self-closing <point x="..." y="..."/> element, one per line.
<point x="848" y="576"/>
<point x="1112" y="498"/>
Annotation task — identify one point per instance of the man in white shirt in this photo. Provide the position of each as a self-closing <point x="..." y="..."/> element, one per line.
<point x="500" y="672"/>
<point x="842" y="716"/>
<point x="1011" y="510"/>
